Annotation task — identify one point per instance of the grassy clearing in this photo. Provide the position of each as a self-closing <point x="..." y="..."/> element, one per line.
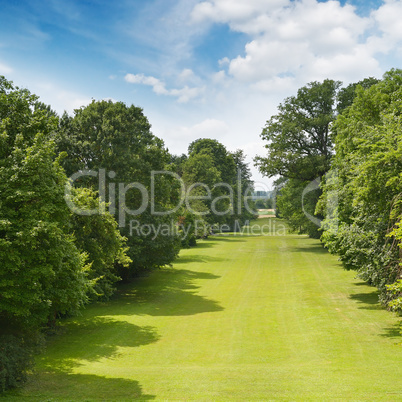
<point x="266" y="213"/>
<point x="237" y="318"/>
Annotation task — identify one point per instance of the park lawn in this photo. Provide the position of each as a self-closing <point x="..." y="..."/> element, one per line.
<point x="251" y="317"/>
<point x="266" y="213"/>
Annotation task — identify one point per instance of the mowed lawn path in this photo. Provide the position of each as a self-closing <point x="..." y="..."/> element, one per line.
<point x="237" y="318"/>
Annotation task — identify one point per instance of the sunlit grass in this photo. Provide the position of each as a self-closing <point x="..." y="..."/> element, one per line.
<point x="240" y="317"/>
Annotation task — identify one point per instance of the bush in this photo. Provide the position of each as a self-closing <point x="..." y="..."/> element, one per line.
<point x="16" y="358"/>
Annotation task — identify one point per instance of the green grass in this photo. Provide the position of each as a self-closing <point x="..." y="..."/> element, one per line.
<point x="237" y="318"/>
<point x="266" y="212"/>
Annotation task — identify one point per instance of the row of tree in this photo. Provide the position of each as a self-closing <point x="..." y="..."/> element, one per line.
<point x="337" y="152"/>
<point x="64" y="243"/>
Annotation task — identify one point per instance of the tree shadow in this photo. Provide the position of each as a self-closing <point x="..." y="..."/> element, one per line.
<point x="229" y="237"/>
<point x="203" y="244"/>
<point x="218" y="238"/>
<point x="82" y="340"/>
<point x="103" y="337"/>
<point x="394" y="332"/>
<point x="315" y="249"/>
<point x="167" y="292"/>
<point x="83" y="387"/>
<point x="368" y="300"/>
<point x="197" y="258"/>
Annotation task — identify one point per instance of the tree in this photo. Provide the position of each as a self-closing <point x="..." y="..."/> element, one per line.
<point x="365" y="228"/>
<point x="347" y="95"/>
<point x="300" y="148"/>
<point x="200" y="177"/>
<point x="299" y="138"/>
<point x="42" y="273"/>
<point x="244" y="208"/>
<point x="228" y="179"/>
<point x="97" y="236"/>
<point x="221" y="158"/>
<point x="117" y="138"/>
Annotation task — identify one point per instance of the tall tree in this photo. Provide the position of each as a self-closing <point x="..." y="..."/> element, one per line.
<point x="299" y="140"/>
<point x="365" y="175"/>
<point x="116" y="137"/>
<point x="300" y="147"/>
<point x="42" y="273"/>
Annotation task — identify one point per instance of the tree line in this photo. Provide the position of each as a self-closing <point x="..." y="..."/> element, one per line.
<point x="337" y="155"/>
<point x="55" y="259"/>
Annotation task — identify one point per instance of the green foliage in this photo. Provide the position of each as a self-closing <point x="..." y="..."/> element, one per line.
<point x="222" y="160"/>
<point x="244" y="208"/>
<point x="347" y="95"/>
<point x="16" y="357"/>
<point x="226" y="184"/>
<point x="298" y="138"/>
<point x="266" y="203"/>
<point x="200" y="176"/>
<point x="293" y="206"/>
<point x="260" y="204"/>
<point x="367" y="165"/>
<point x="98" y="236"/>
<point x="115" y="137"/>
<point x="300" y="147"/>
<point x="42" y="273"/>
<point x="42" y="270"/>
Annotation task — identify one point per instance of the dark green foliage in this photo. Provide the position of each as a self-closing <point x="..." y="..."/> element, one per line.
<point x="293" y="205"/>
<point x="227" y="184"/>
<point x="300" y="148"/>
<point x="299" y="136"/>
<point x="366" y="170"/>
<point x="42" y="273"/>
<point x="266" y="203"/>
<point x="98" y="236"/>
<point x="347" y="95"/>
<point x="17" y="351"/>
<point x="117" y="138"/>
<point x="244" y="207"/>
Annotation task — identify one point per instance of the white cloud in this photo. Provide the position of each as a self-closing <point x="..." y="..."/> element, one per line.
<point x="183" y="95"/>
<point x="293" y="42"/>
<point x="5" y="69"/>
<point x="233" y="10"/>
<point x="219" y="77"/>
<point x="187" y="75"/>
<point x="208" y="128"/>
<point x="387" y="20"/>
<point x="58" y="98"/>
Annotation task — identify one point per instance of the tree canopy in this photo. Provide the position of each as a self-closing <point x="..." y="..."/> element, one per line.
<point x="299" y="140"/>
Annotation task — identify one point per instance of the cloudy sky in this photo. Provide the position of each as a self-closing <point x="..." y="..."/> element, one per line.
<point x="198" y="68"/>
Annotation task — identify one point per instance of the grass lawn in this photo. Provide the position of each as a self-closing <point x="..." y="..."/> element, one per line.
<point x="237" y="318"/>
<point x="266" y="213"/>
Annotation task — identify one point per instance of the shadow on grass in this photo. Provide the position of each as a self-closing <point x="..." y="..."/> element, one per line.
<point x="394" y="332"/>
<point x="197" y="258"/>
<point x="84" y="340"/>
<point x="314" y="248"/>
<point x="168" y="292"/>
<point x="102" y="338"/>
<point x="228" y="237"/>
<point x="49" y="386"/>
<point x="368" y="300"/>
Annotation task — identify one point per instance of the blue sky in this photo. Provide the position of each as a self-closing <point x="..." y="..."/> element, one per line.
<point x="198" y="68"/>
